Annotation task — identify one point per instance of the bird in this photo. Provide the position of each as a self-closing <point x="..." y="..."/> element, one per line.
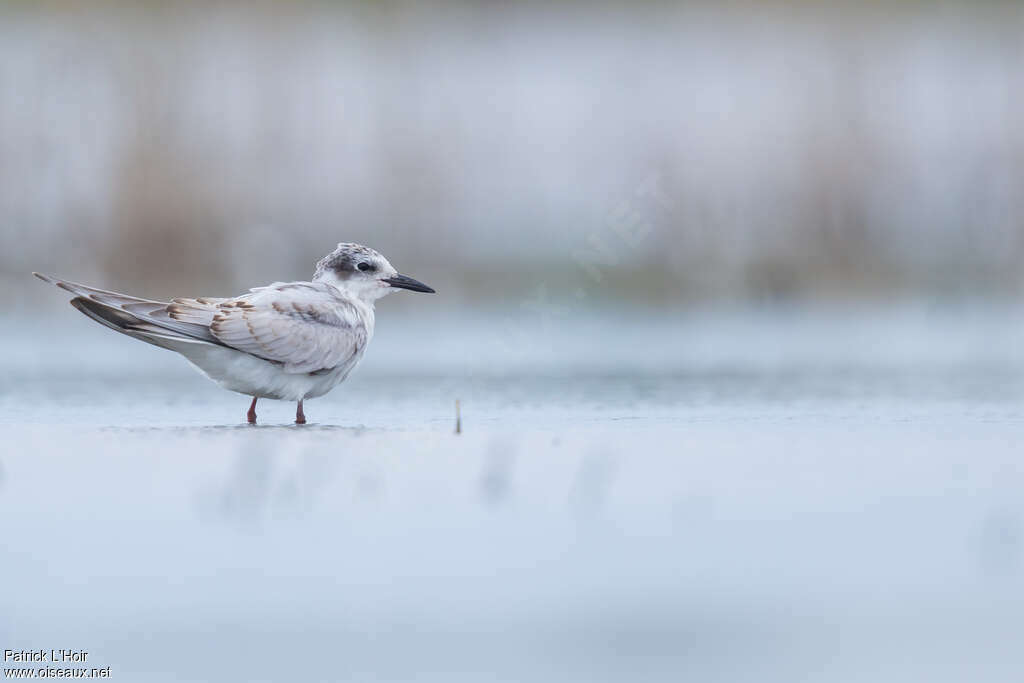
<point x="289" y="341"/>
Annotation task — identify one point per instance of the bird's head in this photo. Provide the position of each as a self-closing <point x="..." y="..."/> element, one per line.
<point x="363" y="273"/>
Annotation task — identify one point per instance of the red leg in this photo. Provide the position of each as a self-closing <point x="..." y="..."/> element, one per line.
<point x="251" y="415"/>
<point x="300" y="417"/>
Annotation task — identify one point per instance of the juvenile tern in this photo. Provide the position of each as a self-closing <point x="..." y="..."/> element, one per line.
<point x="290" y="341"/>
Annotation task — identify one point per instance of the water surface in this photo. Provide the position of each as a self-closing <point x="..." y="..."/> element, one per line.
<point x="747" y="496"/>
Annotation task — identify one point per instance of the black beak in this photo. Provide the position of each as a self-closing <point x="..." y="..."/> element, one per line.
<point x="403" y="282"/>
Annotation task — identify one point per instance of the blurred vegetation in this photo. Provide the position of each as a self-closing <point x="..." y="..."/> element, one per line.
<point x="658" y="152"/>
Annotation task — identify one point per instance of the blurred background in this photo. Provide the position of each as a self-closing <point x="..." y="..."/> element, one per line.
<point x="729" y="293"/>
<point x="691" y="151"/>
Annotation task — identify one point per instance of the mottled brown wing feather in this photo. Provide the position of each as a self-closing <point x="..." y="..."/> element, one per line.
<point x="305" y="328"/>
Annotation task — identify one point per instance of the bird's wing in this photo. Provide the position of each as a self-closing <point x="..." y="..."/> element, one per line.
<point x="304" y="326"/>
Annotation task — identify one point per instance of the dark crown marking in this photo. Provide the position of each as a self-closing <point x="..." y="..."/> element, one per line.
<point x="346" y="260"/>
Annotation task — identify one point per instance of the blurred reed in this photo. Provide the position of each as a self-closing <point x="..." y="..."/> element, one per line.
<point x="652" y="151"/>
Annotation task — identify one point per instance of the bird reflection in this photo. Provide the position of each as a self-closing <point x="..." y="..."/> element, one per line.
<point x="265" y="484"/>
<point x="589" y="492"/>
<point x="1000" y="542"/>
<point x="496" y="478"/>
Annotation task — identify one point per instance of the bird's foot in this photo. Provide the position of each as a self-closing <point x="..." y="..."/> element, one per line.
<point x="251" y="415"/>
<point x="300" y="417"/>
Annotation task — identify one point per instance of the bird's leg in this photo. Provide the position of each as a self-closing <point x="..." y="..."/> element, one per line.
<point x="251" y="415"/>
<point x="300" y="417"/>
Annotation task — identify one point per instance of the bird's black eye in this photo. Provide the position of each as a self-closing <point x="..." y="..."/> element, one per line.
<point x="366" y="267"/>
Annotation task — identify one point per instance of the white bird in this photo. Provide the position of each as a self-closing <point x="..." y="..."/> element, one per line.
<point x="289" y="341"/>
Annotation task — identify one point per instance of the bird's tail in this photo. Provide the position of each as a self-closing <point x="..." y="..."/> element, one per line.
<point x="125" y="323"/>
<point x="142" y="319"/>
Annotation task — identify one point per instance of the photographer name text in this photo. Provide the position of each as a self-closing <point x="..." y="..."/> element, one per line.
<point x="46" y="655"/>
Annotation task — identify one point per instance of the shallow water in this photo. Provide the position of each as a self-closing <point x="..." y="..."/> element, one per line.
<point x="750" y="496"/>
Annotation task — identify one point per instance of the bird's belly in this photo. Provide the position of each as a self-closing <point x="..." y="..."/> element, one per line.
<point x="253" y="376"/>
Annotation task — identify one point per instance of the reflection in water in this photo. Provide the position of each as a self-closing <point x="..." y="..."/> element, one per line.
<point x="247" y="492"/>
<point x="1000" y="543"/>
<point x="589" y="493"/>
<point x="496" y="478"/>
<point x="229" y="428"/>
<point x="370" y="486"/>
<point x="266" y="483"/>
